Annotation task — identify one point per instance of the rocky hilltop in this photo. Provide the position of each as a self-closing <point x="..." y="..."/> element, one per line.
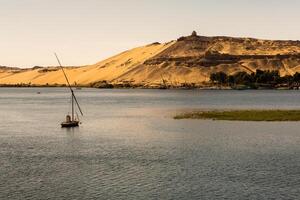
<point x="187" y="60"/>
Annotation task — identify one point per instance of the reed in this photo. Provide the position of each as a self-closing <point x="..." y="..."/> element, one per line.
<point x="243" y="115"/>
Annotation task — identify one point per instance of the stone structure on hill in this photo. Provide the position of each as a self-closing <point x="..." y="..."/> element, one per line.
<point x="194" y="33"/>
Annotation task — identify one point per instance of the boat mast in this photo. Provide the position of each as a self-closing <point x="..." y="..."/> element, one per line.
<point x="72" y="108"/>
<point x="72" y="92"/>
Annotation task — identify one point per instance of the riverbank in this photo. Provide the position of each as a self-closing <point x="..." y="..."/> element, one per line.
<point x="153" y="86"/>
<point x="243" y="115"/>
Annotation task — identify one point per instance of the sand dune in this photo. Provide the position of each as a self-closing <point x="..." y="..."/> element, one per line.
<point x="109" y="70"/>
<point x="189" y="59"/>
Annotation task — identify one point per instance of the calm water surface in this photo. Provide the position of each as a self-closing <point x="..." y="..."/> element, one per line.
<point x="129" y="147"/>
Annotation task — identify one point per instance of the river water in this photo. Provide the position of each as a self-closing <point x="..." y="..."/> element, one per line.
<point x="130" y="147"/>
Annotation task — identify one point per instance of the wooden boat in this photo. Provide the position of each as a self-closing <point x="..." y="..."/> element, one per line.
<point x="71" y="120"/>
<point x="69" y="124"/>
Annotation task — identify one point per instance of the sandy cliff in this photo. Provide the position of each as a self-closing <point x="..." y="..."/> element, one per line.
<point x="189" y="59"/>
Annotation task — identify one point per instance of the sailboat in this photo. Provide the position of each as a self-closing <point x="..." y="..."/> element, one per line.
<point x="71" y="121"/>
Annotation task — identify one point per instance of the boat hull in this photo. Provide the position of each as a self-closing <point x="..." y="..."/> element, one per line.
<point x="70" y="124"/>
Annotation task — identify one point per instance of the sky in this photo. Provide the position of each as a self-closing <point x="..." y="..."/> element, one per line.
<point x="84" y="32"/>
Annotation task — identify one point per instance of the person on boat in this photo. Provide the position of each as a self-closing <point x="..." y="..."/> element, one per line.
<point x="68" y="118"/>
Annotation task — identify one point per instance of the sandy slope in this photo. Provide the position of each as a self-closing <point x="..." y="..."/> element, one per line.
<point x="188" y="60"/>
<point x="110" y="69"/>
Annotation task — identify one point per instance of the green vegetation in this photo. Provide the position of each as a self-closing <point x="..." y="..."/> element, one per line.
<point x="244" y="115"/>
<point x="263" y="79"/>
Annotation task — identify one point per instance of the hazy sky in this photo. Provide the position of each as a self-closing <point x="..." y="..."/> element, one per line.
<point x="86" y="31"/>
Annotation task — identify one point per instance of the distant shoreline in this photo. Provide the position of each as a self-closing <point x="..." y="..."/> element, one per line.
<point x="119" y="86"/>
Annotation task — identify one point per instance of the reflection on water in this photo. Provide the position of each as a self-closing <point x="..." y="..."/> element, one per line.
<point x="129" y="147"/>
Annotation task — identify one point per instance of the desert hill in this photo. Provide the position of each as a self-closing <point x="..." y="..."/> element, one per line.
<point x="189" y="59"/>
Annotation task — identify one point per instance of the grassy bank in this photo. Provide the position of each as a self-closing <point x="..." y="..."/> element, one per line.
<point x="243" y="115"/>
